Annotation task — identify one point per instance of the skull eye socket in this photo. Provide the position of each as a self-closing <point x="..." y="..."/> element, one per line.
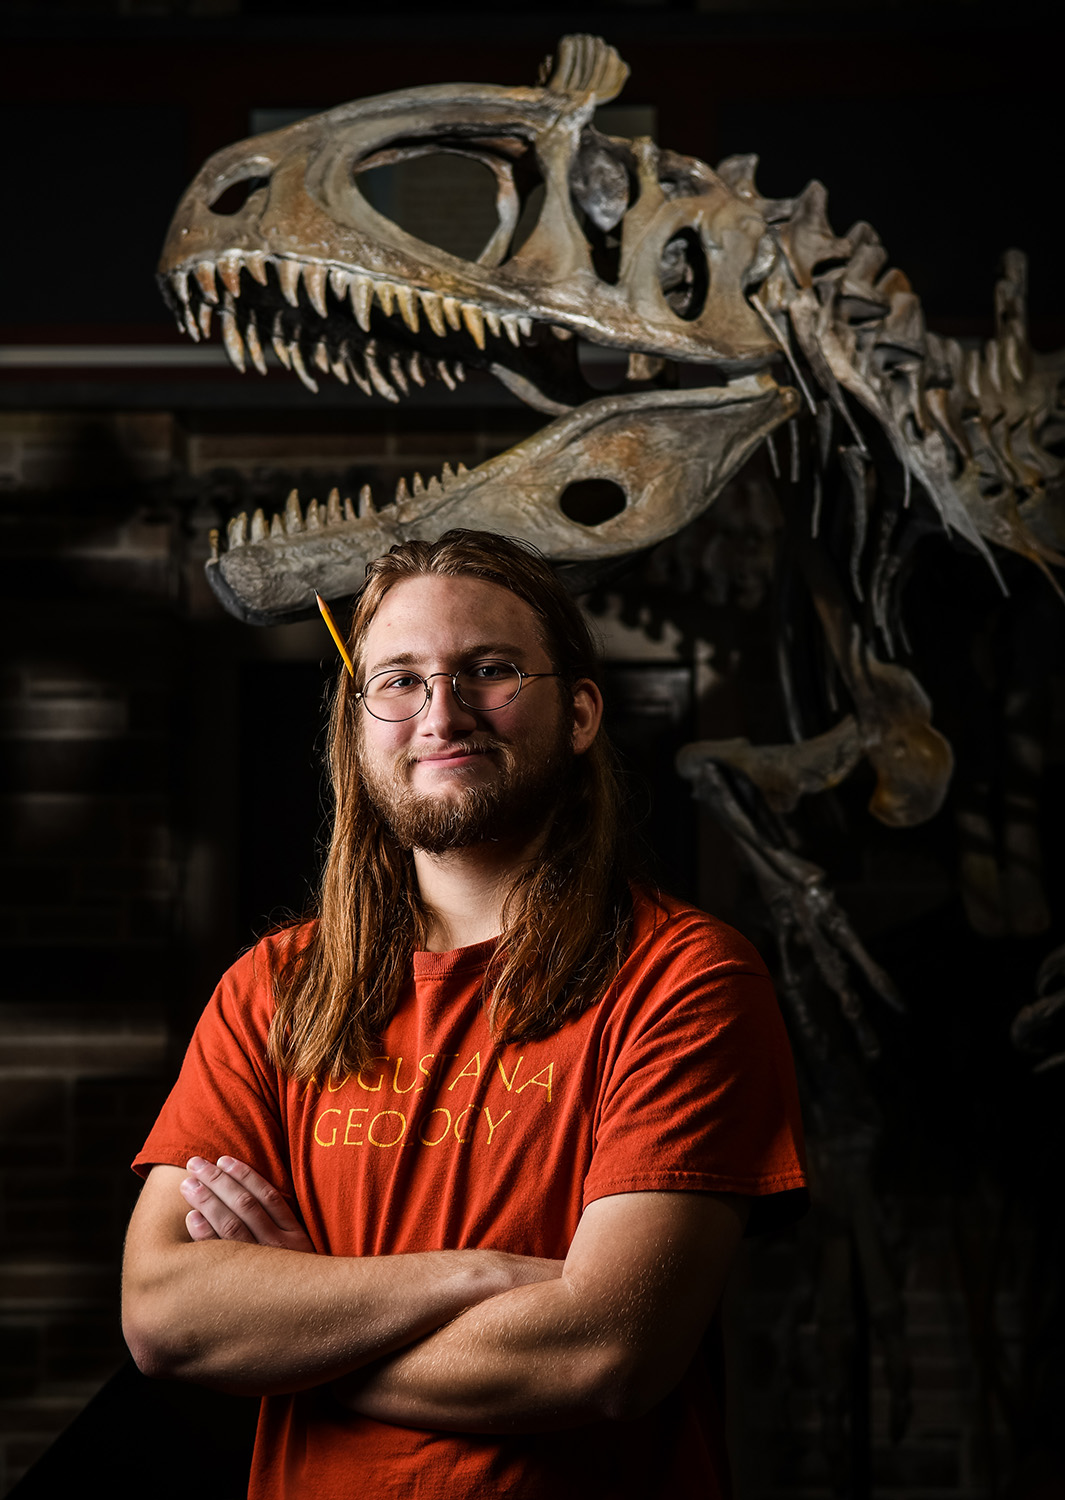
<point x="235" y="195"/>
<point x="684" y="275"/>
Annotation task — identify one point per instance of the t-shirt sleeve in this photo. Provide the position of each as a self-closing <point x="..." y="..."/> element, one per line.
<point x="701" y="1092"/>
<point x="226" y="1098"/>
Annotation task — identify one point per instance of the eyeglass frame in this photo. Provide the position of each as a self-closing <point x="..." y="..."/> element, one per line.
<point x="523" y="677"/>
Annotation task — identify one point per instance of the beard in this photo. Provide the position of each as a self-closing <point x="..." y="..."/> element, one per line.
<point x="517" y="804"/>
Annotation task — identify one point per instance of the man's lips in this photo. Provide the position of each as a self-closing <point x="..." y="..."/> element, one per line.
<point x="452" y="755"/>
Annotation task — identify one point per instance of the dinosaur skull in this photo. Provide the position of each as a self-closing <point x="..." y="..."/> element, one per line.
<point x="634" y="248"/>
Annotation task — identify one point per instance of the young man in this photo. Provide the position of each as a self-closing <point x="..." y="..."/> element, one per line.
<point x="453" y="1175"/>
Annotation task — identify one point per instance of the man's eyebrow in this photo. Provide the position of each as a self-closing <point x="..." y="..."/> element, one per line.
<point x="498" y="651"/>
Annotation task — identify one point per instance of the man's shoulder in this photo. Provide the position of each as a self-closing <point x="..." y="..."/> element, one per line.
<point x="259" y="964"/>
<point x="664" y="923"/>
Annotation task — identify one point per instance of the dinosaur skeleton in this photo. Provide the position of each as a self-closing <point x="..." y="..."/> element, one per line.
<point x="743" y="319"/>
<point x="776" y="322"/>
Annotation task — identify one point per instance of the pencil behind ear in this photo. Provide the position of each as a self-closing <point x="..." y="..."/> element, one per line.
<point x="331" y="626"/>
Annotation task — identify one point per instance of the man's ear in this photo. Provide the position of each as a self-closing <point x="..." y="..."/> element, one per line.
<point x="587" y="714"/>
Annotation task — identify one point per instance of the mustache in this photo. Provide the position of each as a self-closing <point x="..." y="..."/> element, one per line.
<point x="478" y="745"/>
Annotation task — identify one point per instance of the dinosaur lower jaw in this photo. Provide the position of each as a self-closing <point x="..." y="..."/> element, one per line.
<point x="594" y="486"/>
<point x="385" y="337"/>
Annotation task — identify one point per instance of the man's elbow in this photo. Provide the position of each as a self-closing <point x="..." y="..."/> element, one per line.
<point x="625" y="1386"/>
<point x="161" y="1346"/>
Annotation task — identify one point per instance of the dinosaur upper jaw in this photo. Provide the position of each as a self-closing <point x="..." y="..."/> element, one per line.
<point x="385" y="335"/>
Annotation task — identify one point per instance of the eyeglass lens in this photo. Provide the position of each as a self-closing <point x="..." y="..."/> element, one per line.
<point x="484" y="685"/>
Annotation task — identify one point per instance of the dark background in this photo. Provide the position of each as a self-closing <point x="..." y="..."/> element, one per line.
<point x="161" y="790"/>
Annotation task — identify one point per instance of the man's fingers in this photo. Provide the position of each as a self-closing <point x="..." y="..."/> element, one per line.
<point x="198" y="1227"/>
<point x="239" y="1204"/>
<point x="223" y="1222"/>
<point x="264" y="1191"/>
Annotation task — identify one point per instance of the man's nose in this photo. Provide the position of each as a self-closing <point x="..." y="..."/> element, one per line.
<point x="444" y="710"/>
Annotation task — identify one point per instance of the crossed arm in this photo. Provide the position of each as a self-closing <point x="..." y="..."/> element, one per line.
<point x="464" y="1340"/>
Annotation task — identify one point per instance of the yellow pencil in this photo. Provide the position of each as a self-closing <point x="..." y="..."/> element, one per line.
<point x="331" y="626"/>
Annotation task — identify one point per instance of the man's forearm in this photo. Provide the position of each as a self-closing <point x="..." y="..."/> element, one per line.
<point x="256" y="1319"/>
<point x="528" y="1360"/>
<point x="531" y="1359"/>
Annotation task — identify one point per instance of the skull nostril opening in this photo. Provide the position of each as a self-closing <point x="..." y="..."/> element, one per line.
<point x="684" y="275"/>
<point x="233" y="197"/>
<point x="590" y="502"/>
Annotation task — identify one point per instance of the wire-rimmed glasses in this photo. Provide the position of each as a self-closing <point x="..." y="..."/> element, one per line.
<point x="483" y="686"/>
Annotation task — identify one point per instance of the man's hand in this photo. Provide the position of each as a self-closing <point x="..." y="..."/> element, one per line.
<point x="230" y="1201"/>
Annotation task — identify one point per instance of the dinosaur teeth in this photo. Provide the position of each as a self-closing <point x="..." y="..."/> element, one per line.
<point x="361" y="293"/>
<point x="366" y="505"/>
<point x="288" y="276"/>
<point x="191" y="325"/>
<point x="378" y="381"/>
<point x="408" y="307"/>
<point x="434" y="488"/>
<point x="447" y="473"/>
<point x="434" y="311"/>
<point x="452" y="312"/>
<point x="445" y="374"/>
<point x="231" y="336"/>
<point x="228" y="268"/>
<point x="339" y="282"/>
<point x="644" y="366"/>
<point x="386" y="295"/>
<point x="559" y="332"/>
<point x="277" y="527"/>
<point x="213" y="539"/>
<point x="255" y="261"/>
<point x="414" y="365"/>
<point x="204" y="274"/>
<point x="418" y="484"/>
<point x="179" y="283"/>
<point x="255" y="349"/>
<point x="357" y="375"/>
<point x="321" y="356"/>
<point x="237" y="530"/>
<point x="349" y="509"/>
<point x="340" y="371"/>
<point x="259" y="528"/>
<point x="525" y="326"/>
<point x="313" y="521"/>
<point x="300" y="368"/>
<point x="473" y="318"/>
<point x="204" y="319"/>
<point x="277" y="338"/>
<point x="293" y="514"/>
<point x="398" y="374"/>
<point x="512" y="329"/>
<point x="495" y="324"/>
<point x="402" y="493"/>
<point x="333" y="516"/>
<point x="459" y="369"/>
<point x="314" y="277"/>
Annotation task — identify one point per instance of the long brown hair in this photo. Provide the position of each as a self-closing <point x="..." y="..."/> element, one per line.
<point x="568" y="915"/>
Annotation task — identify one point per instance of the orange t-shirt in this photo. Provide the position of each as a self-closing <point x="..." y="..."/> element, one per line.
<point x="680" y="1078"/>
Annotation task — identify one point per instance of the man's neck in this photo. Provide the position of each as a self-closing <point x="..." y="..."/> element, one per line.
<point x="464" y="891"/>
